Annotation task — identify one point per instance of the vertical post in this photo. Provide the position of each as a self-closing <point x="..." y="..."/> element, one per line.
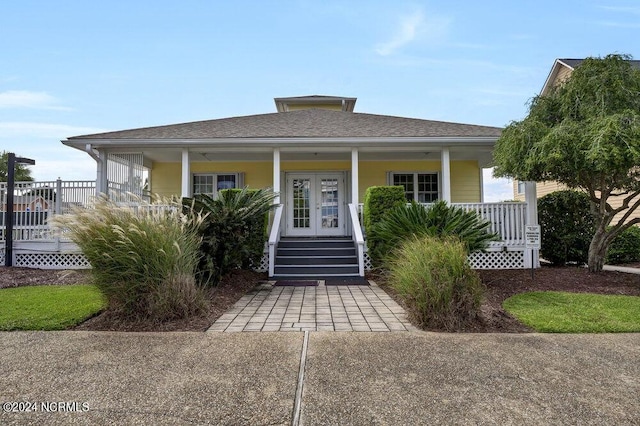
<point x="102" y="178"/>
<point x="276" y="174"/>
<point x="58" y="207"/>
<point x="8" y="221"/>
<point x="355" y="196"/>
<point x="446" y="175"/>
<point x="186" y="174"/>
<point x="532" y="259"/>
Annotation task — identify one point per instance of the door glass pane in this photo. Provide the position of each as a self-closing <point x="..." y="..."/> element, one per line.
<point x="301" y="203"/>
<point x="329" y="202"/>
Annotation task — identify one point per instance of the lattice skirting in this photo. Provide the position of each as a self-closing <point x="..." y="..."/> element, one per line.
<point x="497" y="260"/>
<point x="488" y="260"/>
<point x="263" y="266"/>
<point x="51" y="260"/>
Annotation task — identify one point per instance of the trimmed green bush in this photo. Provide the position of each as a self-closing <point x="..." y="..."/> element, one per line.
<point x="625" y="248"/>
<point x="439" y="288"/>
<point x="436" y="220"/>
<point x="143" y="259"/>
<point x="233" y="230"/>
<point x="377" y="201"/>
<point x="567" y="227"/>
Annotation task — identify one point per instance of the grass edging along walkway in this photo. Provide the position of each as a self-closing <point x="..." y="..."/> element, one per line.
<point x="51" y="307"/>
<point x="561" y="312"/>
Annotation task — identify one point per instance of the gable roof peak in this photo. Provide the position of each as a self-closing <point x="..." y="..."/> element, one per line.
<point x="339" y="103"/>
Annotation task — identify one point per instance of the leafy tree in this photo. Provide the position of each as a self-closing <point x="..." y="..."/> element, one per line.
<point x="586" y="135"/>
<point x="23" y="174"/>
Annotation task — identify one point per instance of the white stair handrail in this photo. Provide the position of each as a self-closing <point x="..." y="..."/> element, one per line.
<point x="274" y="238"/>
<point x="357" y="236"/>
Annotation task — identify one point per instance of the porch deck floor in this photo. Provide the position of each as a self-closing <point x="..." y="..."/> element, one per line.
<point x="314" y="308"/>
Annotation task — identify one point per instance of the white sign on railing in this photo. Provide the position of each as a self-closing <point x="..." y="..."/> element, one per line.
<point x="532" y="237"/>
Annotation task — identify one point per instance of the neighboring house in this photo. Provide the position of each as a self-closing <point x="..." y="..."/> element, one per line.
<point x="560" y="72"/>
<point x="27" y="204"/>
<point x="318" y="154"/>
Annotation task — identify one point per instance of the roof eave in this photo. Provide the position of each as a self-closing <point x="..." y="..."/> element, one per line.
<point x="81" y="143"/>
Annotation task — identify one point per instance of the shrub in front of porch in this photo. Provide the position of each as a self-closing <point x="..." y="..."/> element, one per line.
<point x="439" y="288"/>
<point x="437" y="220"/>
<point x="143" y="259"/>
<point x="233" y="230"/>
<point x="378" y="200"/>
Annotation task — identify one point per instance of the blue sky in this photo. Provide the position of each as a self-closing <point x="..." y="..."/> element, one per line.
<point x="77" y="67"/>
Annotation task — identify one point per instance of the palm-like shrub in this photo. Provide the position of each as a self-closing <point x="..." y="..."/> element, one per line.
<point x="438" y="286"/>
<point x="437" y="220"/>
<point x="233" y="230"/>
<point x="143" y="258"/>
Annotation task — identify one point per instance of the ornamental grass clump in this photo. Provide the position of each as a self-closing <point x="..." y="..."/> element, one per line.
<point x="143" y="258"/>
<point x="439" y="288"/>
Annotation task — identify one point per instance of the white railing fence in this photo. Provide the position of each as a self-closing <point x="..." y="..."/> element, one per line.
<point x="507" y="219"/>
<point x="35" y="203"/>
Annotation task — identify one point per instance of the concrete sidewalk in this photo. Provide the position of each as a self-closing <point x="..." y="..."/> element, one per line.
<point x="350" y="378"/>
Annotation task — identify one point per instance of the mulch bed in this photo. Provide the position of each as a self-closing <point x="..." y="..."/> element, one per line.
<point x="500" y="284"/>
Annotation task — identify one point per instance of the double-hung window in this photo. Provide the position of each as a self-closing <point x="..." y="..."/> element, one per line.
<point x="211" y="183"/>
<point x="421" y="187"/>
<point x="521" y="186"/>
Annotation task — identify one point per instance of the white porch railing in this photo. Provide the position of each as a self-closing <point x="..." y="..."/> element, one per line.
<point x="356" y="235"/>
<point x="507" y="220"/>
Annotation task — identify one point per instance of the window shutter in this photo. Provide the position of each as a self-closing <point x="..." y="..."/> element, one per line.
<point x="241" y="180"/>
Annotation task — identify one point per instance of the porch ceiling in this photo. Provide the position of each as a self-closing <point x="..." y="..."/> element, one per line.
<point x="483" y="156"/>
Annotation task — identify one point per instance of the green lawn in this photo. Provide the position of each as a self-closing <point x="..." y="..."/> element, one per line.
<point x="560" y="312"/>
<point x="54" y="307"/>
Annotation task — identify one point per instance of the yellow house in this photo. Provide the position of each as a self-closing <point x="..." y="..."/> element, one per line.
<point x="315" y="151"/>
<point x="560" y="72"/>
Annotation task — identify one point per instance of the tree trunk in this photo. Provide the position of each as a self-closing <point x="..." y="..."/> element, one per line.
<point x="597" y="250"/>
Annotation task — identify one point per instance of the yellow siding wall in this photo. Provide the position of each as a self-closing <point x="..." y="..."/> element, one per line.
<point x="165" y="177"/>
<point x="465" y="175"/>
<point x="465" y="182"/>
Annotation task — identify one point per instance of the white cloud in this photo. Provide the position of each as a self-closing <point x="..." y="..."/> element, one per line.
<point x="414" y="27"/>
<point x="43" y="130"/>
<point x="27" y="99"/>
<point x="496" y="189"/>
<point x="634" y="10"/>
<point x="618" y="24"/>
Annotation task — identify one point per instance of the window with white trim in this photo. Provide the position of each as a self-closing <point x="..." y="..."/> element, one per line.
<point x="521" y="186"/>
<point x="421" y="187"/>
<point x="211" y="183"/>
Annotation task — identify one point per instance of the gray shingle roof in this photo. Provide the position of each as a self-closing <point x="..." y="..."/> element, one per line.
<point x="310" y="123"/>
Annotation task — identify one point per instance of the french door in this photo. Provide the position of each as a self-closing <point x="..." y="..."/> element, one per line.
<point x="315" y="204"/>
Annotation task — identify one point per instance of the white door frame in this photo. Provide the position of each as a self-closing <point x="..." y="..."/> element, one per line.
<point x="318" y="223"/>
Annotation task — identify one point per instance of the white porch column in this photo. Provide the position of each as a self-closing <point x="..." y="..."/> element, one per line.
<point x="102" y="184"/>
<point x="446" y="175"/>
<point x="532" y="219"/>
<point x="276" y="174"/>
<point x="186" y="174"/>
<point x="355" y="196"/>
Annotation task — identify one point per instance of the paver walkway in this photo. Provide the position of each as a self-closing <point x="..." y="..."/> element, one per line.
<point x="315" y="308"/>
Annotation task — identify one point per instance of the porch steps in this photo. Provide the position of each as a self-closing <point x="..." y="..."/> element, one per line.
<point x="316" y="258"/>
